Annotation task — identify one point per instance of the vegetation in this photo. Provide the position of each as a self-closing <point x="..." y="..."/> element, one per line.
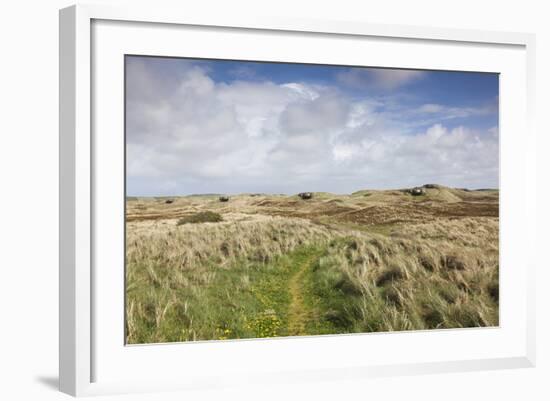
<point x="267" y="266"/>
<point x="201" y="217"/>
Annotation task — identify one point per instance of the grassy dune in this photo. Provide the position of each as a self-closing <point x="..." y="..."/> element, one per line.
<point x="263" y="266"/>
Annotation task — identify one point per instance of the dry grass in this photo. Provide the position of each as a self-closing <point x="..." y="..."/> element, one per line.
<point x="190" y="246"/>
<point x="439" y="275"/>
<point x="381" y="262"/>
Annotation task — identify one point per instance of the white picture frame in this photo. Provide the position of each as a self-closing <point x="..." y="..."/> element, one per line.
<point x="92" y="354"/>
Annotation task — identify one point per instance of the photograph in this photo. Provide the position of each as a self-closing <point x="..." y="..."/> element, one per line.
<point x="270" y="199"/>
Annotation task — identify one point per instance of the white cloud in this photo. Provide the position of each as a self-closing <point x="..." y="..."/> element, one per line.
<point x="378" y="78"/>
<point x="447" y="113"/>
<point x="324" y="114"/>
<point x="431" y="108"/>
<point x="304" y="91"/>
<point x="189" y="134"/>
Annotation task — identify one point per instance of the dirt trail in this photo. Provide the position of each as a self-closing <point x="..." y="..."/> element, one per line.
<point x="298" y="313"/>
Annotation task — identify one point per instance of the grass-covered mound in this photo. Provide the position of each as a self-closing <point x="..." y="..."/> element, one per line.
<point x="201" y="217"/>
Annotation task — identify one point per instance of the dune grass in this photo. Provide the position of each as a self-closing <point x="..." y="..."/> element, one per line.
<point x="264" y="276"/>
<point x="201" y="217"/>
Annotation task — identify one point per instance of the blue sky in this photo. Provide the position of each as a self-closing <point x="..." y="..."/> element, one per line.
<point x="212" y="126"/>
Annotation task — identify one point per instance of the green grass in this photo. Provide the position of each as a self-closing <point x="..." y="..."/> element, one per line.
<point x="314" y="289"/>
<point x="249" y="300"/>
<point x="201" y="217"/>
<point x="265" y="276"/>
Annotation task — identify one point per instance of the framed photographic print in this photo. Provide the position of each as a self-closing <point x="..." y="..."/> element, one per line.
<point x="277" y="200"/>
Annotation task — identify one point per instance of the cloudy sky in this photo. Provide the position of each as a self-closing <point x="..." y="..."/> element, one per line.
<point x="205" y="126"/>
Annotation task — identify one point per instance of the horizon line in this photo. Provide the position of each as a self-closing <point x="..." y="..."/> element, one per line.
<point x="328" y="192"/>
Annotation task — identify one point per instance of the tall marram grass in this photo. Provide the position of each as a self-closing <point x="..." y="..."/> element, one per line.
<point x="441" y="275"/>
<point x="190" y="247"/>
<point x="170" y="271"/>
<point x="200" y="281"/>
